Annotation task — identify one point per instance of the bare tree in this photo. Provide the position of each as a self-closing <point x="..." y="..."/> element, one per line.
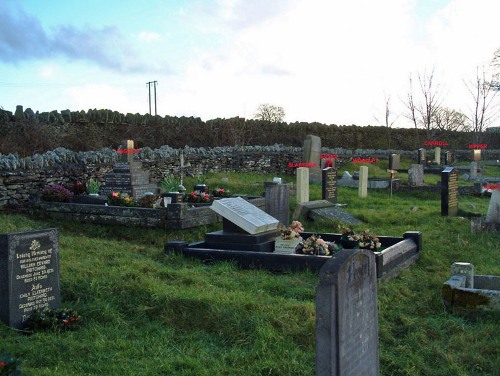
<point x="448" y="119"/>
<point x="269" y="112"/>
<point x="387" y="121"/>
<point x="483" y="112"/>
<point x="495" y="64"/>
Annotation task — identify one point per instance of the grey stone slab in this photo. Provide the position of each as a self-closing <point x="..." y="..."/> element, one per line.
<point x="29" y="274"/>
<point x="493" y="215"/>
<point x="278" y="201"/>
<point x="323" y="210"/>
<point x="347" y="316"/>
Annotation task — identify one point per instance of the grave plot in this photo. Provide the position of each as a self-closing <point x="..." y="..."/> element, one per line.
<point x="248" y="238"/>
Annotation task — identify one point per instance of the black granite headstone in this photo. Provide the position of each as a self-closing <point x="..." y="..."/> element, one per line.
<point x="347" y="316"/>
<point x="449" y="191"/>
<point x="329" y="184"/>
<point x="278" y="201"/>
<point x="29" y="274"/>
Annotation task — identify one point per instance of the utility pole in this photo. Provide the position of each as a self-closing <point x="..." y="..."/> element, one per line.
<point x="149" y="90"/>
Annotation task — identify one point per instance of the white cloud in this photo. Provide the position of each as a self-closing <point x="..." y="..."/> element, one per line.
<point x="148" y="36"/>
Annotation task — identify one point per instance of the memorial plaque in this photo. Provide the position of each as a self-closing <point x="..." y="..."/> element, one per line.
<point x="29" y="274"/>
<point x="347" y="316"/>
<point x="449" y="191"/>
<point x="394" y="163"/>
<point x="245" y="215"/>
<point x="329" y="184"/>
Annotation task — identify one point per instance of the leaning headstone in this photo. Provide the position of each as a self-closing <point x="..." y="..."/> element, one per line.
<point x="29" y="274"/>
<point x="493" y="215"/>
<point x="329" y="184"/>
<point x="421" y="156"/>
<point x="347" y="316"/>
<point x="302" y="184"/>
<point x="449" y="191"/>
<point x="363" y="182"/>
<point x="473" y="171"/>
<point x="437" y="155"/>
<point x="244" y="215"/>
<point x="416" y="175"/>
<point x="312" y="156"/>
<point x="278" y="201"/>
<point x="323" y="210"/>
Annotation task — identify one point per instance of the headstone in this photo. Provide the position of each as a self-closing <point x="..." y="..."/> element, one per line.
<point x="329" y="184"/>
<point x="416" y="175"/>
<point x="493" y="215"/>
<point x="29" y="274"/>
<point x="346" y="175"/>
<point x="448" y="158"/>
<point x="347" y="316"/>
<point x="363" y="182"/>
<point x="466" y="269"/>
<point x="437" y="155"/>
<point x="312" y="155"/>
<point x="323" y="210"/>
<point x="473" y="171"/>
<point x="476" y="155"/>
<point x="421" y="156"/>
<point x="449" y="191"/>
<point x="302" y="184"/>
<point x="394" y="162"/>
<point x="245" y="215"/>
<point x="278" y="201"/>
<point x="127" y="175"/>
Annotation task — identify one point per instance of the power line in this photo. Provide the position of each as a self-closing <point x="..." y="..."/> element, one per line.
<point x="149" y="92"/>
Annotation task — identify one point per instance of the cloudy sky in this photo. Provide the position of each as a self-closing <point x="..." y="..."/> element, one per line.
<point x="331" y="61"/>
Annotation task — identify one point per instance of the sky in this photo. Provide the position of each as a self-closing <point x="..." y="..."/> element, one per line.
<point x="327" y="61"/>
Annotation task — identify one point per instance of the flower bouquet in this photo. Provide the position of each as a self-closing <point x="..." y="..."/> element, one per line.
<point x="314" y="245"/>
<point x="120" y="199"/>
<point x="197" y="196"/>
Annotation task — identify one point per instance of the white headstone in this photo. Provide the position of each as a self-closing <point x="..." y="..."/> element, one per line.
<point x="437" y="155"/>
<point x="363" y="182"/>
<point x="302" y="185"/>
<point x="245" y="215"/>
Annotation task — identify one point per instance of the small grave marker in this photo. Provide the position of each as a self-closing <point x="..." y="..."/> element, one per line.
<point x="347" y="316"/>
<point x="29" y="274"/>
<point x="302" y="185"/>
<point x="416" y="175"/>
<point x="437" y="155"/>
<point x="394" y="162"/>
<point x="421" y="156"/>
<point x="329" y="184"/>
<point x="449" y="191"/>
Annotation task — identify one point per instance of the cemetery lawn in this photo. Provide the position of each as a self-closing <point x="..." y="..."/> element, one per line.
<point x="146" y="313"/>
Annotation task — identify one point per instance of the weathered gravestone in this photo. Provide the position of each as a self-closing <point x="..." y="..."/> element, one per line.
<point x="473" y="171"/>
<point x="323" y="210"/>
<point x="347" y="316"/>
<point x="449" y="191"/>
<point x="493" y="215"/>
<point x="302" y="184"/>
<point x="329" y="184"/>
<point x="278" y="201"/>
<point x="416" y="175"/>
<point x="421" y="156"/>
<point x="447" y="158"/>
<point x="312" y="155"/>
<point x="394" y="162"/>
<point x="437" y="155"/>
<point x="363" y="182"/>
<point x="29" y="274"/>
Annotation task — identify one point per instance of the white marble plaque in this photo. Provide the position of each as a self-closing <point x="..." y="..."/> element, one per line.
<point x="245" y="215"/>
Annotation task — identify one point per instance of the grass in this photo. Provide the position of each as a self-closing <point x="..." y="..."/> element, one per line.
<point x="146" y="313"/>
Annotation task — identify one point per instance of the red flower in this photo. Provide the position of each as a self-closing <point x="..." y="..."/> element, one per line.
<point x="2" y="364"/>
<point x="115" y="194"/>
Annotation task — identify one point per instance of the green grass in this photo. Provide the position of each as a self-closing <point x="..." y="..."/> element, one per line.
<point x="146" y="313"/>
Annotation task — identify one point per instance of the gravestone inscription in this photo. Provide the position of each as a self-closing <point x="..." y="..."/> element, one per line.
<point x="29" y="274"/>
<point x="449" y="191"/>
<point x="245" y="215"/>
<point x="329" y="184"/>
<point x="347" y="316"/>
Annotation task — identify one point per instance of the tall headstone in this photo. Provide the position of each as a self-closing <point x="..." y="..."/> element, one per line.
<point x="421" y="156"/>
<point x="347" y="316"/>
<point x="416" y="175"/>
<point x="302" y="185"/>
<point x="278" y="201"/>
<point x="394" y="162"/>
<point x="449" y="191"/>
<point x="476" y="155"/>
<point x="312" y="156"/>
<point x="493" y="215"/>
<point x="329" y="185"/>
<point x="29" y="274"/>
<point x="363" y="182"/>
<point x="448" y="158"/>
<point x="473" y="171"/>
<point x="437" y="155"/>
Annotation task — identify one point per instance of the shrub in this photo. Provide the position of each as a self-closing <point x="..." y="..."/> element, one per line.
<point x="56" y="192"/>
